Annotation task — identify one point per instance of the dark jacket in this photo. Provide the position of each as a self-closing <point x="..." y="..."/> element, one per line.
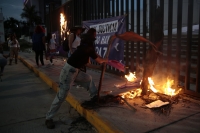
<point x="87" y="39"/>
<point x="37" y="42"/>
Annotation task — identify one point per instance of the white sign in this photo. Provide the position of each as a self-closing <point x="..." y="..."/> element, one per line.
<point x="108" y="27"/>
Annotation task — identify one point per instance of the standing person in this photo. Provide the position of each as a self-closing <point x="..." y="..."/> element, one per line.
<point x="52" y="47"/>
<point x="74" y="39"/>
<point x="71" y="72"/>
<point x="14" y="48"/>
<point x="38" y="40"/>
<point x="3" y="59"/>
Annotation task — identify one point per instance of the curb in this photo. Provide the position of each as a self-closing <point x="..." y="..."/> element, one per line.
<point x="102" y="125"/>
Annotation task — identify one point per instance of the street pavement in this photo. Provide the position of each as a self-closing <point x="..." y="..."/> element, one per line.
<point x="24" y="101"/>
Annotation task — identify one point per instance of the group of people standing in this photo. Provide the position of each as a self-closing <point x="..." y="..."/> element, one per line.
<point x="39" y="43"/>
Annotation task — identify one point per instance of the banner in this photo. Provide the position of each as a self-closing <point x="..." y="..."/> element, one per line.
<point x="106" y="28"/>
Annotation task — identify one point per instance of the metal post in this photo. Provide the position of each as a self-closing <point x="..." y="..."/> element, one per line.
<point x="122" y="7"/>
<point x="178" y="46"/>
<point x="117" y="7"/>
<point x="113" y="8"/>
<point x="198" y="62"/>
<point x="95" y="9"/>
<point x="132" y="29"/>
<point x="92" y="9"/>
<point x="138" y="32"/>
<point x="189" y="43"/>
<point x="127" y="28"/>
<point x="108" y="6"/>
<point x="101" y="6"/>
<point x="169" y="45"/>
<point x="144" y="25"/>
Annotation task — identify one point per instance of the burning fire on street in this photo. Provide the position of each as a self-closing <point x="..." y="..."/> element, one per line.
<point x="160" y="99"/>
<point x="160" y="95"/>
<point x="164" y="88"/>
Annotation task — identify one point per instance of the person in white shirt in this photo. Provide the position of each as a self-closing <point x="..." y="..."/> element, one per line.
<point x="74" y="39"/>
<point x="52" y="48"/>
<point x="14" y="48"/>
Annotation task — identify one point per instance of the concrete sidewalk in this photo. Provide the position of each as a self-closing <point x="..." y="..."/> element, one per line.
<point x="24" y="101"/>
<point x="183" y="118"/>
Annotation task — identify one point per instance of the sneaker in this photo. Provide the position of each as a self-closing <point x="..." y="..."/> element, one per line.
<point x="51" y="64"/>
<point x="50" y="124"/>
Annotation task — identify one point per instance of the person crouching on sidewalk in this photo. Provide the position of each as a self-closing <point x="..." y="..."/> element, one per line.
<point x="71" y="73"/>
<point x="14" y="48"/>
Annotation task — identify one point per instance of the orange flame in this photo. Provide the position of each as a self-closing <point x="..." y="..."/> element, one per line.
<point x="151" y="83"/>
<point x="63" y="24"/>
<point x="166" y="89"/>
<point x="132" y="94"/>
<point x="131" y="77"/>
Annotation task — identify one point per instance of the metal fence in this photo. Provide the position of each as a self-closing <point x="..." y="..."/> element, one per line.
<point x="181" y="49"/>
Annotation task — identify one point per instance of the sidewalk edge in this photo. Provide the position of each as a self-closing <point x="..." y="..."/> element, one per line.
<point x="102" y="125"/>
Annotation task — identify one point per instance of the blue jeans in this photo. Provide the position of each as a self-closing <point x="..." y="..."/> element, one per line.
<point x="69" y="75"/>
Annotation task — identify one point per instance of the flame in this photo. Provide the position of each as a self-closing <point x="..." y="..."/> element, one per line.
<point x="131" y="77"/>
<point x="63" y="25"/>
<point x="141" y="82"/>
<point x="151" y="83"/>
<point x="132" y="94"/>
<point x="166" y="88"/>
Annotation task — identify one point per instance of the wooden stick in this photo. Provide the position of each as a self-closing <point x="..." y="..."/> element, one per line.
<point x="104" y="64"/>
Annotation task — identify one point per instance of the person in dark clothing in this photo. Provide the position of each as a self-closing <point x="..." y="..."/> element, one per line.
<point x="71" y="73"/>
<point x="3" y="62"/>
<point x="38" y="40"/>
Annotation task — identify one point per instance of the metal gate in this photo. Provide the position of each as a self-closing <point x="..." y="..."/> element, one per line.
<point x="181" y="20"/>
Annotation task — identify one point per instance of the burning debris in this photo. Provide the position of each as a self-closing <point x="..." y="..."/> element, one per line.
<point x="132" y="81"/>
<point x="160" y="98"/>
<point x="132" y="94"/>
<point x="166" y="88"/>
